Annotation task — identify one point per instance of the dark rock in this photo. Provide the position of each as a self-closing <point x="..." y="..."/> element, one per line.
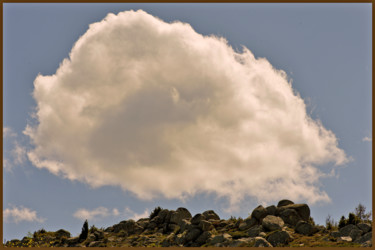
<point x="247" y="223"/>
<point x="365" y="227"/>
<point x="202" y="239"/>
<point x="279" y="238"/>
<point x="255" y="231"/>
<point x="345" y="231"/>
<point x="305" y="228"/>
<point x="355" y="234"/>
<point x="366" y="237"/>
<point x="259" y="213"/>
<point x="302" y="210"/>
<point x="205" y="225"/>
<point x="261" y="242"/>
<point x="283" y="203"/>
<point x="180" y="214"/>
<point x="210" y="215"/>
<point x="290" y="216"/>
<point x="197" y="219"/>
<point x="272" y="223"/>
<point x="220" y="239"/>
<point x="192" y="235"/>
<point x="335" y="234"/>
<point x="184" y="225"/>
<point x="271" y="210"/>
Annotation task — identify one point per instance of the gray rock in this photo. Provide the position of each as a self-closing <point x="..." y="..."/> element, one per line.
<point x="197" y="219"/>
<point x="255" y="231"/>
<point x="184" y="225"/>
<point x="335" y="234"/>
<point x="345" y="231"/>
<point x="272" y="223"/>
<point x="284" y="203"/>
<point x="290" y="216"/>
<point x="365" y="227"/>
<point x="271" y="210"/>
<point x="129" y="226"/>
<point x="247" y="223"/>
<point x="220" y="239"/>
<point x="240" y="242"/>
<point x="205" y="225"/>
<point x="202" y="239"/>
<point x="355" y="234"/>
<point x="279" y="238"/>
<point x="259" y="213"/>
<point x="173" y="227"/>
<point x="364" y="238"/>
<point x="261" y="242"/>
<point x="302" y="210"/>
<point x="305" y="228"/>
<point x="180" y="214"/>
<point x="192" y="235"/>
<point x="210" y="215"/>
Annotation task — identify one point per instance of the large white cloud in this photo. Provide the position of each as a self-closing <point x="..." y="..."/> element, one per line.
<point x="19" y="214"/>
<point x="163" y="111"/>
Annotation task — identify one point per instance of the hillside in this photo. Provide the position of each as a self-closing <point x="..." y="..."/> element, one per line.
<point x="286" y="224"/>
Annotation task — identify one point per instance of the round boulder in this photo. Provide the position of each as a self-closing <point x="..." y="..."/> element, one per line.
<point x="284" y="203"/>
<point x="272" y="223"/>
<point x="271" y="210"/>
<point x="197" y="219"/>
<point x="210" y="215"/>
<point x="261" y="242"/>
<point x="304" y="228"/>
<point x="290" y="216"/>
<point x="259" y="213"/>
<point x="279" y="238"/>
<point x="180" y="214"/>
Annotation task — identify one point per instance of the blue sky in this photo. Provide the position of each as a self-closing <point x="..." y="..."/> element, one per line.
<point x="324" y="48"/>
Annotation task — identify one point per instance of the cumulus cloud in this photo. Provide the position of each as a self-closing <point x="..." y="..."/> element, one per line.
<point x="8" y="132"/>
<point x="367" y="138"/>
<point x="95" y="214"/>
<point x="19" y="214"/>
<point x="128" y="213"/>
<point x="16" y="154"/>
<point x="163" y="111"/>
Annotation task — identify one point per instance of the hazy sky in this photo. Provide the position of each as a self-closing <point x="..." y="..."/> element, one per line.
<point x="113" y="109"/>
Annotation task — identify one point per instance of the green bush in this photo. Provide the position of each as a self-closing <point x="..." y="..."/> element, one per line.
<point x="330" y="223"/>
<point x="85" y="231"/>
<point x="343" y="222"/>
<point x="155" y="212"/>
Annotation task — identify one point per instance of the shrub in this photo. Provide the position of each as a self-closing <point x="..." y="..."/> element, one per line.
<point x="353" y="219"/>
<point x="155" y="212"/>
<point x="85" y="231"/>
<point x="330" y="223"/>
<point x="343" y="222"/>
<point x="360" y="212"/>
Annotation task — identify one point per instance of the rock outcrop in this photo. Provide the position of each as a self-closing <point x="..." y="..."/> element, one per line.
<point x="272" y="226"/>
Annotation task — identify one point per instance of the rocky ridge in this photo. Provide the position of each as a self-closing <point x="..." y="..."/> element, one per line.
<point x="286" y="224"/>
